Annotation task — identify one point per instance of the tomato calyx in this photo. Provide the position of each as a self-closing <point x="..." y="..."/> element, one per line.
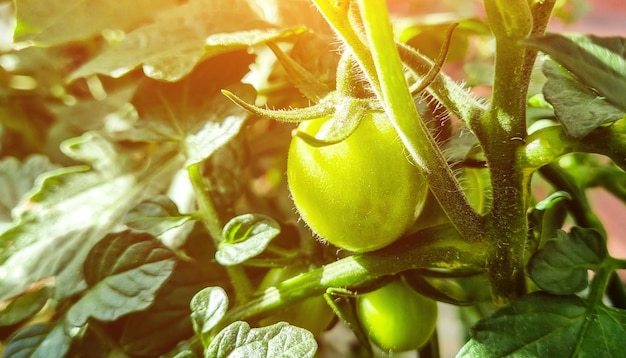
<point x="344" y="115"/>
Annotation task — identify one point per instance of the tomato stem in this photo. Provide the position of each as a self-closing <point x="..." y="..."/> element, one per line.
<point x="502" y="133"/>
<point x="439" y="246"/>
<point x="414" y="133"/>
<point x="210" y="218"/>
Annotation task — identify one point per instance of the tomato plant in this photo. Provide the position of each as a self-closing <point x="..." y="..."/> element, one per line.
<point x="221" y="178"/>
<point x="397" y="318"/>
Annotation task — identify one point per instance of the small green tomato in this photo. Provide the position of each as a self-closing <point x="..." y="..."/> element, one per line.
<point x="397" y="318"/>
<point x="360" y="194"/>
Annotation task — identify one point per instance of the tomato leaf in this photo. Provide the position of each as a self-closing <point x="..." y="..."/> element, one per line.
<point x="24" y="307"/>
<point x="278" y="340"/>
<point x="123" y="271"/>
<point x="245" y="236"/>
<point x="16" y="179"/>
<point x="586" y="89"/>
<point x="208" y="307"/>
<point x="71" y="209"/>
<point x="561" y="266"/>
<point x="157" y="330"/>
<point x="155" y="216"/>
<point x="542" y="325"/>
<point x="577" y="106"/>
<point x="193" y="112"/>
<point x="53" y="23"/>
<point x="598" y="62"/>
<point x="39" y="341"/>
<point x="170" y="46"/>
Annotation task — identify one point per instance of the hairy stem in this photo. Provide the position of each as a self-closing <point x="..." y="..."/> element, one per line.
<point x="502" y="133"/>
<point x="439" y="246"/>
<point x="413" y="132"/>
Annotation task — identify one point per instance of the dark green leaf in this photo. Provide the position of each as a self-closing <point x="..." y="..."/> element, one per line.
<point x="207" y="310"/>
<point x="598" y="62"/>
<point x="91" y="343"/>
<point x="24" y="306"/>
<point x="155" y="216"/>
<point x="158" y="329"/>
<point x="544" y="325"/>
<point x="561" y="266"/>
<point x="193" y="112"/>
<point x="39" y="341"/>
<point x="246" y="236"/>
<point x="53" y="22"/>
<point x="278" y="340"/>
<point x="123" y="271"/>
<point x="577" y="106"/>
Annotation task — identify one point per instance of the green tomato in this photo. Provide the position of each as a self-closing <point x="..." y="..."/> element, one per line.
<point x="360" y="194"/>
<point x="397" y="318"/>
<point x="312" y="314"/>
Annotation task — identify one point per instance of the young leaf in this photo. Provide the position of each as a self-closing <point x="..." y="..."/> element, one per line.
<point x="155" y="216"/>
<point x="598" y="62"/>
<point x="560" y="267"/>
<point x="548" y="216"/>
<point x="577" y="106"/>
<point x="24" y="307"/>
<point x="246" y="236"/>
<point x="544" y="325"/>
<point x="157" y="330"/>
<point x="39" y="341"/>
<point x="123" y="271"/>
<point x="207" y="310"/>
<point x="278" y="340"/>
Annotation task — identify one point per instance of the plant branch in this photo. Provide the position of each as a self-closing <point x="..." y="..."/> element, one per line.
<point x="336" y="14"/>
<point x="501" y="133"/>
<point x="239" y="279"/>
<point x="413" y="132"/>
<point x="450" y="94"/>
<point x="439" y="246"/>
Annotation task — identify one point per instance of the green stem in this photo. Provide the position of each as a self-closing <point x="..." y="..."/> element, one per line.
<point x="599" y="284"/>
<point x="238" y="278"/>
<point x="548" y="144"/>
<point x="502" y="133"/>
<point x="413" y="132"/>
<point x="439" y="246"/>
<point x="337" y="16"/>
<point x="453" y="96"/>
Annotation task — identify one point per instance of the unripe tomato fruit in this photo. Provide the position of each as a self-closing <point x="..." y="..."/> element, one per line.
<point x="360" y="194"/>
<point x="312" y="314"/>
<point x="397" y="318"/>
